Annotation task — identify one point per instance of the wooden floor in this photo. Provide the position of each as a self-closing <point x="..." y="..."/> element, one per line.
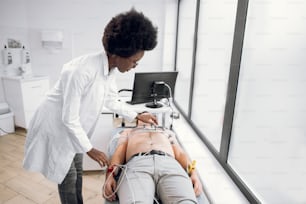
<point x="18" y="186"/>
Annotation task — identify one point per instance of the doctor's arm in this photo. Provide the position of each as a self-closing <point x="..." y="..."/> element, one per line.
<point x="73" y="86"/>
<point x="113" y="103"/>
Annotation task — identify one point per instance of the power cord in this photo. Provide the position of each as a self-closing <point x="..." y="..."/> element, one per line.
<point x="170" y="99"/>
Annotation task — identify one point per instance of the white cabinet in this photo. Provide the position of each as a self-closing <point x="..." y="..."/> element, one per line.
<point x="24" y="96"/>
<point x="100" y="139"/>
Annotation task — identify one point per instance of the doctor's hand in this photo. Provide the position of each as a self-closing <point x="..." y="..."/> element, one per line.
<point x="147" y="118"/>
<point x="98" y="156"/>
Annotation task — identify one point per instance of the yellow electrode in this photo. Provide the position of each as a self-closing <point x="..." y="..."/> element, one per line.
<point x="191" y="167"/>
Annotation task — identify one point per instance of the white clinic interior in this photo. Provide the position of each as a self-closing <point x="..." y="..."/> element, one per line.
<point x="239" y="92"/>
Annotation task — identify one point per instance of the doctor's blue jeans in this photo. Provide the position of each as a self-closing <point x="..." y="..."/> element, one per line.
<point x="70" y="190"/>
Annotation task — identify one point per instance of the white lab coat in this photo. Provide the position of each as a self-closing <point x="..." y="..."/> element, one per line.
<point x="62" y="125"/>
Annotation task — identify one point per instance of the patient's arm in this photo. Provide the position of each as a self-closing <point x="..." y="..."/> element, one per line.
<point x="197" y="185"/>
<point x="119" y="154"/>
<point x="182" y="158"/>
<point x="118" y="158"/>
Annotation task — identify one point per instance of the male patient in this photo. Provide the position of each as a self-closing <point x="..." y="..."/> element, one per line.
<point x="152" y="165"/>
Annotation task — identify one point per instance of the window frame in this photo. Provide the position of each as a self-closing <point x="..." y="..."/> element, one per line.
<point x="222" y="156"/>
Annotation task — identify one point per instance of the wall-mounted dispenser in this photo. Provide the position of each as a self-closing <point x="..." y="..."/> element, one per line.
<point x="25" y="67"/>
<point x="7" y="56"/>
<point x="25" y="56"/>
<point x="52" y="39"/>
<point x="17" y="62"/>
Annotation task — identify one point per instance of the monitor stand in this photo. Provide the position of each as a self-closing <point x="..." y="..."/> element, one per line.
<point x="154" y="104"/>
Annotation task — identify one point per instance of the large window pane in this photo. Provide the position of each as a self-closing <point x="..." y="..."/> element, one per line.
<point x="268" y="142"/>
<point x="215" y="38"/>
<point x="185" y="52"/>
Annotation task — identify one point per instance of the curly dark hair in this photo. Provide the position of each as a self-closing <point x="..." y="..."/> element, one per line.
<point x="128" y="33"/>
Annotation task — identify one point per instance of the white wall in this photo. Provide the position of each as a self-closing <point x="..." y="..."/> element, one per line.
<point x="82" y="24"/>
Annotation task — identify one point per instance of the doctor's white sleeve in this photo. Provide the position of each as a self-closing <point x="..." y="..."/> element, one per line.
<point x="112" y="102"/>
<point x="73" y="87"/>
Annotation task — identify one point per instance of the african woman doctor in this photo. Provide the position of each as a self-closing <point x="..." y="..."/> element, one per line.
<point x="60" y="130"/>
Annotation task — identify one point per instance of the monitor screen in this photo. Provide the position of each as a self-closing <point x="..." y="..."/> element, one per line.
<point x="153" y="86"/>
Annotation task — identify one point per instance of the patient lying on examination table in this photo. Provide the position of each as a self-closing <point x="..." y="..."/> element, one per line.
<point x="152" y="165"/>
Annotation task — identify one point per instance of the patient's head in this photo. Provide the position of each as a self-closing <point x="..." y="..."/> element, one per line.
<point x="142" y="124"/>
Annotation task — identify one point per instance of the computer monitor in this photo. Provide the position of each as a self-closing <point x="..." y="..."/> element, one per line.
<point x="150" y="87"/>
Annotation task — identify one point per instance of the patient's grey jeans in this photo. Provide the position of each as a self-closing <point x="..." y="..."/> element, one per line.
<point x="70" y="190"/>
<point x="148" y="175"/>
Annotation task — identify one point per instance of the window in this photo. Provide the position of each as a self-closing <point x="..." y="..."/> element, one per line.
<point x="184" y="58"/>
<point x="268" y="144"/>
<point x="253" y="123"/>
<point x="214" y="47"/>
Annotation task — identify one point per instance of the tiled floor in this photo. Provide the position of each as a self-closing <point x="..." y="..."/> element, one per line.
<point x="18" y="186"/>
